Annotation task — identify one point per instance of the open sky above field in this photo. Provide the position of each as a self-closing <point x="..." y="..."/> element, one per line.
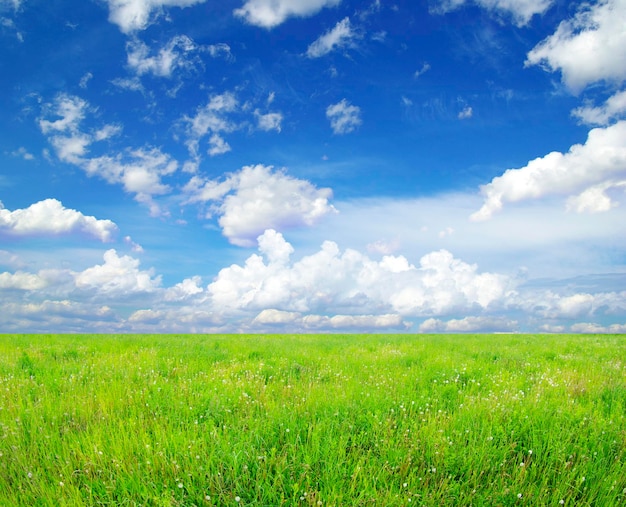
<point x="312" y="165"/>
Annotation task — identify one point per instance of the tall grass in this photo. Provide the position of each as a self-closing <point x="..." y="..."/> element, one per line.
<point x="312" y="420"/>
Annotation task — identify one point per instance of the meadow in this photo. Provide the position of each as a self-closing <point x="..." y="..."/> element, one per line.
<point x="312" y="420"/>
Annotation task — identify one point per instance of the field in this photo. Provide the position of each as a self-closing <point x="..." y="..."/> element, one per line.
<point x="329" y="420"/>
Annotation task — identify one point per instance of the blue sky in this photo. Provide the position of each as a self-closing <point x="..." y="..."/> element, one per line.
<point x="312" y="166"/>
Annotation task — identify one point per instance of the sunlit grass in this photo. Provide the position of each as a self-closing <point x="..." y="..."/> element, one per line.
<point x="312" y="420"/>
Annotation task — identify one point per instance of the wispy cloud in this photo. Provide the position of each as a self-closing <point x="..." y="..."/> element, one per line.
<point x="340" y="36"/>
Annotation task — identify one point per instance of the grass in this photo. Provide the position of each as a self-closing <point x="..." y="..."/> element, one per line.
<point x="160" y="420"/>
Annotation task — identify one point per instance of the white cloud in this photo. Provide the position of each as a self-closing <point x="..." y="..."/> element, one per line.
<point x="589" y="48"/>
<point x="258" y="198"/>
<point x="353" y="284"/>
<point x="482" y="324"/>
<point x="133" y="15"/>
<point x="50" y="217"/>
<point x="522" y="11"/>
<point x="588" y="327"/>
<point x="139" y="170"/>
<point x="118" y="276"/>
<point x="220" y="49"/>
<point x="84" y="81"/>
<point x="15" y="4"/>
<point x="340" y="36"/>
<point x="425" y="68"/>
<point x="217" y="145"/>
<point x="21" y="281"/>
<point x="269" y="121"/>
<point x="272" y="316"/>
<point x="465" y="113"/>
<point x="189" y="287"/>
<point x="600" y="161"/>
<point x="178" y="53"/>
<point x="212" y="119"/>
<point x="613" y="108"/>
<point x="344" y="117"/>
<point x="70" y="109"/>
<point x="23" y="153"/>
<point x="355" y="322"/>
<point x="270" y="13"/>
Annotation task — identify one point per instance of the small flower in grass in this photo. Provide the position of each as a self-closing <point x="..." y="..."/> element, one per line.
<point x="519" y="495"/>
<point x="237" y="499"/>
<point x="180" y="485"/>
<point x="207" y="497"/>
<point x="562" y="502"/>
<point x="61" y="484"/>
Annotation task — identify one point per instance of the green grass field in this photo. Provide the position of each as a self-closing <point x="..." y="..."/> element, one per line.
<point x="332" y="420"/>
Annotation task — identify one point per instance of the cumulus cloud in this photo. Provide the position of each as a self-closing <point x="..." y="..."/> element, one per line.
<point x="50" y="217"/>
<point x="344" y="117"/>
<point x="614" y="107"/>
<point x="257" y="198"/>
<point x="270" y="13"/>
<point x="586" y="170"/>
<point x="352" y="284"/>
<point x="21" y="281"/>
<point x="588" y="48"/>
<point x="338" y="37"/>
<point x="522" y="11"/>
<point x="118" y="276"/>
<point x="133" y="15"/>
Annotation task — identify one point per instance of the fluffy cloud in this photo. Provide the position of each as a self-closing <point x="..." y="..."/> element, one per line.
<point x="351" y="283"/>
<point x="270" y="13"/>
<point x="50" y="217"/>
<point x="590" y="168"/>
<point x="521" y="10"/>
<point x="68" y="110"/>
<point x="344" y="117"/>
<point x="133" y="15"/>
<point x="340" y="36"/>
<point x="613" y="108"/>
<point x="590" y="47"/>
<point x="176" y="54"/>
<point x="21" y="281"/>
<point x="257" y="198"/>
<point x="118" y="276"/>
<point x="212" y="119"/>
<point x="588" y="327"/>
<point x="139" y="170"/>
<point x="468" y="325"/>
<point x="297" y="321"/>
<point x="269" y="121"/>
